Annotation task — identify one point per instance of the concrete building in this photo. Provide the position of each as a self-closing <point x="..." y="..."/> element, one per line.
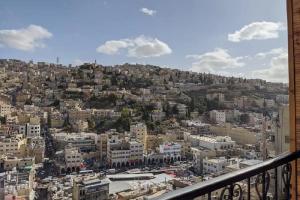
<point x="36" y="148"/>
<point x="73" y="159"/>
<point x="157" y="115"/>
<point x="90" y="187"/>
<point x="238" y="134"/>
<point x="218" y="96"/>
<point x="217" y="143"/>
<point x="139" y="131"/>
<point x="182" y="110"/>
<point x="198" y="155"/>
<point x="8" y="163"/>
<point x="15" y="146"/>
<point x="121" y="153"/>
<point x="282" y="134"/>
<point x="282" y="99"/>
<point x="30" y="130"/>
<point x="75" y="115"/>
<point x="80" y="125"/>
<point x="171" y="151"/>
<point x="217" y="116"/>
<point x="56" y="120"/>
<point x="5" y="109"/>
<point x="86" y="142"/>
<point x="214" y="165"/>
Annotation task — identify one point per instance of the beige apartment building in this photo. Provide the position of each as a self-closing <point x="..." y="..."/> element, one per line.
<point x="13" y="145"/>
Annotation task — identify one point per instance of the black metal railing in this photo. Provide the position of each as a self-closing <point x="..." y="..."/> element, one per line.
<point x="268" y="180"/>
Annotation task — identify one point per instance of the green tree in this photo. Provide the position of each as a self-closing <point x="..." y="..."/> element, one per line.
<point x="244" y="118"/>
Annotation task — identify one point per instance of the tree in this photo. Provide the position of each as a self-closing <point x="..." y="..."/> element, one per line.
<point x="175" y="110"/>
<point x="2" y="120"/>
<point x="244" y="118"/>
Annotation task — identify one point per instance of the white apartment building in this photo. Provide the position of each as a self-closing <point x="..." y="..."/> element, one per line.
<point x="136" y="151"/>
<point x="170" y="151"/>
<point x="199" y="154"/>
<point x="121" y="153"/>
<point x="218" y="143"/>
<point x="83" y="141"/>
<point x="33" y="130"/>
<point x="217" y="116"/>
<point x="214" y="165"/>
<point x="30" y="130"/>
<point x="73" y="158"/>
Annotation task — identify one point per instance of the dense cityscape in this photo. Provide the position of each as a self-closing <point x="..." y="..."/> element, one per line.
<point x="130" y="131"/>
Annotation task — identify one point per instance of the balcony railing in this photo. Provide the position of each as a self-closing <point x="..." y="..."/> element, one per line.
<point x="263" y="181"/>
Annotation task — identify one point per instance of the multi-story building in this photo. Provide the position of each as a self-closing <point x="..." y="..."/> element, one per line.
<point x="198" y="155"/>
<point x="11" y="162"/>
<point x="136" y="152"/>
<point x="171" y="151"/>
<point x="282" y="99"/>
<point x="5" y="109"/>
<point x="182" y="110"/>
<point x="282" y="133"/>
<point x="30" y="130"/>
<point x="73" y="159"/>
<point x="217" y="116"/>
<point x="15" y="146"/>
<point x="80" y="125"/>
<point x="139" y="131"/>
<point x="86" y="142"/>
<point x="217" y="143"/>
<point x="121" y="153"/>
<point x="57" y="120"/>
<point x="75" y="115"/>
<point x="90" y="187"/>
<point x="157" y="115"/>
<point x="105" y="113"/>
<point x="214" y="165"/>
<point x="36" y="148"/>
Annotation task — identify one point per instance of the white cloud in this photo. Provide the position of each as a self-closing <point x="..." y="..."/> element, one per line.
<point x="272" y="52"/>
<point x="140" y="47"/>
<point x="277" y="70"/>
<point x="112" y="47"/>
<point x="257" y="31"/>
<point x="215" y="62"/>
<point x="25" y="39"/>
<point x="147" y="11"/>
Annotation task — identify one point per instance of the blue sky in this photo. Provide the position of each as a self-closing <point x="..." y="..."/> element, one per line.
<point x="232" y="37"/>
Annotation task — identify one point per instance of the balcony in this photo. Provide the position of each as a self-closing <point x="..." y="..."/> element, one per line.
<point x="262" y="181"/>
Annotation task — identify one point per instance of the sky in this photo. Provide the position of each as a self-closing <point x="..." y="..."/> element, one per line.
<point x="226" y="37"/>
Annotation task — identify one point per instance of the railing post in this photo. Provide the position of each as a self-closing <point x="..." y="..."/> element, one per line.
<point x="276" y="184"/>
<point x="249" y="188"/>
<point x="264" y="192"/>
